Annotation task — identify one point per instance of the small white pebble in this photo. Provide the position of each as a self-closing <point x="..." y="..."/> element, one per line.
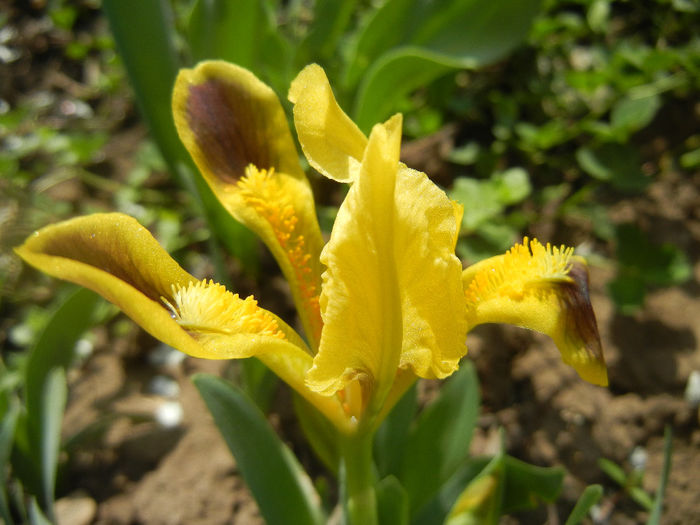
<point x="169" y="414"/>
<point x="166" y="356"/>
<point x="84" y="348"/>
<point x="692" y="389"/>
<point x="164" y="386"/>
<point x="638" y="458"/>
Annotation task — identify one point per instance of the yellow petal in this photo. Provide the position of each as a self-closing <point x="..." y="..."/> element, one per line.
<point x="360" y="300"/>
<point x="433" y="303"/>
<point x="279" y="209"/>
<point x="332" y="142"/>
<point x="542" y="288"/>
<point x="116" y="257"/>
<point x="236" y="131"/>
<point x="392" y="295"/>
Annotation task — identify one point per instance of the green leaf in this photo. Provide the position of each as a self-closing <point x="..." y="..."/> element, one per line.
<point x="512" y="185"/>
<point x="281" y="488"/>
<point x="481" y="500"/>
<point x="613" y="470"/>
<point x="632" y="114"/>
<point x="590" y="497"/>
<point x="654" y="264"/>
<point x="7" y="433"/>
<point x="55" y="346"/>
<point x="526" y="486"/>
<point x="435" y="510"/>
<point x="36" y="516"/>
<point x="55" y="394"/>
<point x="392" y="502"/>
<point x="390" y="439"/>
<point x="439" y="442"/>
<point x="480" y="200"/>
<point x="319" y="432"/>
<point x="330" y="19"/>
<point x="655" y="516"/>
<point x="226" y="30"/>
<point x="258" y="382"/>
<point x="485" y="200"/>
<point x="617" y="164"/>
<point x="406" y="45"/>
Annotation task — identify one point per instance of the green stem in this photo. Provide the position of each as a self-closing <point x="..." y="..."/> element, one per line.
<point x="357" y="479"/>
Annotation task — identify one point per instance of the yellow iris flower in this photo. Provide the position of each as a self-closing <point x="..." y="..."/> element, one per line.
<point x="383" y="302"/>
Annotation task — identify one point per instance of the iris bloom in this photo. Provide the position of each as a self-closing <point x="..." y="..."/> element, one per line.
<point x="383" y="302"/>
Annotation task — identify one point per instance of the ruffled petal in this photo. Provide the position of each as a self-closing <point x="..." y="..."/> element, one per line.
<point x="392" y="296"/>
<point x="433" y="303"/>
<point x="360" y="300"/>
<point x="332" y="143"/>
<point x="542" y="288"/>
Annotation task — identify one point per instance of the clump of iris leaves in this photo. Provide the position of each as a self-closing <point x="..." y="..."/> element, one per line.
<point x="552" y="112"/>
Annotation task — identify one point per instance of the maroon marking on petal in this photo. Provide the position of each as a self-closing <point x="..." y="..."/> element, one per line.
<point x="580" y="318"/>
<point x="227" y="127"/>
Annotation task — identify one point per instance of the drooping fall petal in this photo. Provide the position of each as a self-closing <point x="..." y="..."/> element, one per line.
<point x="236" y="131"/>
<point x="392" y="296"/>
<point x="542" y="288"/>
<point x="332" y="143"/>
<point x="113" y="255"/>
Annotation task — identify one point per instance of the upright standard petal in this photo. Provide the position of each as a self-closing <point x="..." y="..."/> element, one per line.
<point x="542" y="288"/>
<point x="236" y="131"/>
<point x="392" y="298"/>
<point x="433" y="303"/>
<point x="360" y="299"/>
<point x="113" y="255"/>
<point x="332" y="143"/>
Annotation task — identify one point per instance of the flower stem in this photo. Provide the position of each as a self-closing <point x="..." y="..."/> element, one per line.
<point x="357" y="479"/>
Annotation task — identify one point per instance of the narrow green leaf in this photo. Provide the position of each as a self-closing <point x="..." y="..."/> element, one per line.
<point x="655" y="516"/>
<point x="390" y="439"/>
<point x="439" y="443"/>
<point x="258" y="382"/>
<point x="225" y="30"/>
<point x="330" y="19"/>
<point x="281" y="488"/>
<point x="7" y="433"/>
<point x="590" y="497"/>
<point x="36" y="516"/>
<point x="319" y="432"/>
<point x="392" y="502"/>
<point x="55" y="346"/>
<point x="55" y="394"/>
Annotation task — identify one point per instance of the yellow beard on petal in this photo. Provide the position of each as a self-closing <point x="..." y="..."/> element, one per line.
<point x="523" y="266"/>
<point x="262" y="192"/>
<point x="207" y="308"/>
